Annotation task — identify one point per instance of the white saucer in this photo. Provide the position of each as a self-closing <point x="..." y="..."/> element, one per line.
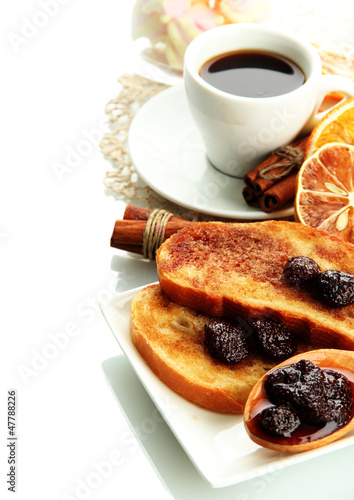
<point x="169" y="155"/>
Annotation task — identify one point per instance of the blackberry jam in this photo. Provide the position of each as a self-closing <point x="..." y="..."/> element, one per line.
<point x="326" y="420"/>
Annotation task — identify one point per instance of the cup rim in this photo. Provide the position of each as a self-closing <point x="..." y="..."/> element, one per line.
<point x="305" y="45"/>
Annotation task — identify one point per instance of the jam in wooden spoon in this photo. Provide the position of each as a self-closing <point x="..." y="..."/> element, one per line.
<point x="303" y="403"/>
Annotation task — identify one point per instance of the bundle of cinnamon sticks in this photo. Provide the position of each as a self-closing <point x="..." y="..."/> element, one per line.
<point x="128" y="233"/>
<point x="273" y="182"/>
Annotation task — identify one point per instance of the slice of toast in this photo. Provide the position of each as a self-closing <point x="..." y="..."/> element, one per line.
<point x="236" y="269"/>
<point x="170" y="338"/>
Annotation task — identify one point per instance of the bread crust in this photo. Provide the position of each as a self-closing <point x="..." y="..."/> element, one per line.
<point x="170" y="338"/>
<point x="236" y="269"/>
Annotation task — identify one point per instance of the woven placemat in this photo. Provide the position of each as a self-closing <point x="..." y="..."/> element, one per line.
<point x="135" y="90"/>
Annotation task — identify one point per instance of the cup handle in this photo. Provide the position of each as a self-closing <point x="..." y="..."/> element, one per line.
<point x="327" y="84"/>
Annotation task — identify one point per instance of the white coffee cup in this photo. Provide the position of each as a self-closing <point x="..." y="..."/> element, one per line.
<point x="239" y="132"/>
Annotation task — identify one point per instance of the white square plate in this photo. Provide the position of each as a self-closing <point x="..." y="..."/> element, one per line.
<point x="216" y="443"/>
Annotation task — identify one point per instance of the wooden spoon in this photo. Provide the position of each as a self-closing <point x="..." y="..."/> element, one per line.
<point x="335" y="359"/>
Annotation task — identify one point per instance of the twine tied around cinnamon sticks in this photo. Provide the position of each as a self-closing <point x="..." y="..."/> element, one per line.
<point x="295" y="159"/>
<point x="154" y="232"/>
<point x="272" y="183"/>
<point x="132" y="234"/>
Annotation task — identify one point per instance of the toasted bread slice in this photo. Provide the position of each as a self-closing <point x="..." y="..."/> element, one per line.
<point x="170" y="338"/>
<point x="236" y="269"/>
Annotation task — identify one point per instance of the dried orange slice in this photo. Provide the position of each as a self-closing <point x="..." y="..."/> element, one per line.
<point x="336" y="126"/>
<point x="325" y="191"/>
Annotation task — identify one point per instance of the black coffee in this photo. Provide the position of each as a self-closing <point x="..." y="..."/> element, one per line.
<point x="251" y="73"/>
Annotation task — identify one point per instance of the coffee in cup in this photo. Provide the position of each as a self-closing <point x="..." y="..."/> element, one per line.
<point x="253" y="73"/>
<point x="275" y="97"/>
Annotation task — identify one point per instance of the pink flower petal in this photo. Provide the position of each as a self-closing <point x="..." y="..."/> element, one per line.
<point x="203" y="18"/>
<point x="175" y="8"/>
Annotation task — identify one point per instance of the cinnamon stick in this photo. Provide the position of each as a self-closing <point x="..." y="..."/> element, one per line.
<point x="132" y="212"/>
<point x="250" y="197"/>
<point x="276" y="196"/>
<point x="259" y="185"/>
<point x="128" y="234"/>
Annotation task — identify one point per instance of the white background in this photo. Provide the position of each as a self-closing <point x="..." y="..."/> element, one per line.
<point x="56" y="264"/>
